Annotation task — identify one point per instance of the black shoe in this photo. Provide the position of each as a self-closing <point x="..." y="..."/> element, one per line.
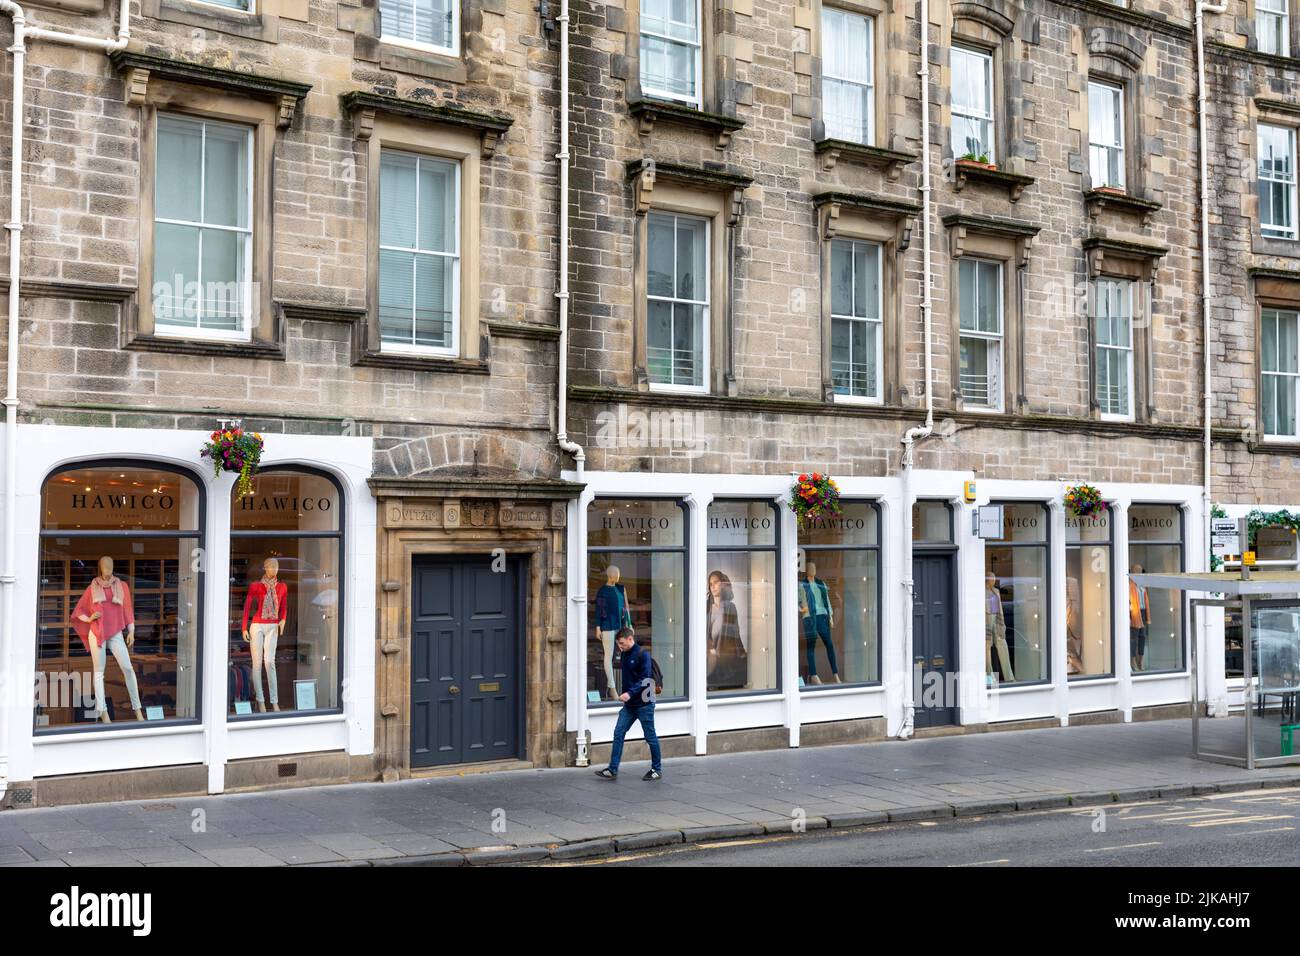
<point x="607" y="774"/>
<point x="652" y="775"/>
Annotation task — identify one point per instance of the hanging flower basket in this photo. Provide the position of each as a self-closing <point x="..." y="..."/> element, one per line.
<point x="1085" y="501"/>
<point x="814" y="496"/>
<point x="233" y="449"/>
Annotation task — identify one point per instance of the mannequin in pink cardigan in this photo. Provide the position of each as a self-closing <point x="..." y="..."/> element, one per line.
<point x="104" y="619"/>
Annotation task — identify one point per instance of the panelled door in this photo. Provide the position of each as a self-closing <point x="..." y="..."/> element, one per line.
<point x="466" y="661"/>
<point x="934" y="640"/>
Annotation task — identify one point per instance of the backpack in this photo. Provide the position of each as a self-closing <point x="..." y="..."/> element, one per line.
<point x="657" y="676"/>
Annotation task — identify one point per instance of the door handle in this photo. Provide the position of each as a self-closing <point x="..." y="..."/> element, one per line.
<point x="453" y="689"/>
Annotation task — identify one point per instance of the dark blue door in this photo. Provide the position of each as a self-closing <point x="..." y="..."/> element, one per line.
<point x="934" y="643"/>
<point x="465" y="661"/>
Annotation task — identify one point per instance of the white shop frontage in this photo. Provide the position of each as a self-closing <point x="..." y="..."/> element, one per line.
<point x="136" y="519"/>
<point x="758" y="624"/>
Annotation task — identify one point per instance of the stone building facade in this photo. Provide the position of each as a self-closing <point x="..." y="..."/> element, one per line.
<point x="437" y="463"/>
<point x="753" y="154"/>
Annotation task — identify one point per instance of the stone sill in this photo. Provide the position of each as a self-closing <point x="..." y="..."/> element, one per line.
<point x="1013" y="183"/>
<point x="420" y="363"/>
<point x="179" y="346"/>
<point x="1098" y="200"/>
<point x="649" y="111"/>
<point x="892" y="161"/>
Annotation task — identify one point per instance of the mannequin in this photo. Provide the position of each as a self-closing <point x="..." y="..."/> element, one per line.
<point x="1139" y="620"/>
<point x="612" y="616"/>
<point x="995" y="631"/>
<point x="105" y="609"/>
<point x="268" y="603"/>
<point x="818" y="619"/>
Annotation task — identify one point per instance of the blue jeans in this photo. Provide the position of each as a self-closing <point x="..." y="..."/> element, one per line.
<point x="815" y="626"/>
<point x="626" y="718"/>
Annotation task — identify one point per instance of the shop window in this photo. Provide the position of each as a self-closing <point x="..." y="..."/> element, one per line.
<point x="1155" y="615"/>
<point x="670" y="53"/>
<point x="425" y="24"/>
<point x="848" y="92"/>
<point x="1112" y="318"/>
<point x="981" y="333"/>
<point x="839" y="597"/>
<point x="203" y="232"/>
<point x="677" y="285"/>
<point x="636" y="565"/>
<point x="1106" y="135"/>
<point x="1089" y="640"/>
<point x="119" y="612"/>
<point x="857" y="326"/>
<point x="741" y="605"/>
<point x="1273" y="27"/>
<point x="286" y="594"/>
<point x="972" y="104"/>
<point x="1279" y="372"/>
<point x="419" y="253"/>
<point x="1277" y="181"/>
<point x="1016" y="597"/>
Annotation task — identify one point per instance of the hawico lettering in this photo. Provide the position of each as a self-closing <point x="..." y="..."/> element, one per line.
<point x="127" y="501"/>
<point x="634" y="524"/>
<point x="76" y="909"/>
<point x="284" y="503"/>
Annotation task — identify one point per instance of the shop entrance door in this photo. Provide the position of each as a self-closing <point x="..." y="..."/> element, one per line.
<point x="934" y="640"/>
<point x="466" y="660"/>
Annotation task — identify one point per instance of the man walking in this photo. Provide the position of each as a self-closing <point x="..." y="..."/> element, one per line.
<point x="638" y="699"/>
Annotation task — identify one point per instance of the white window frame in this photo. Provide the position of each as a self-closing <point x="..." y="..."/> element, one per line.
<point x="166" y="329"/>
<point x="1277" y="14"/>
<point x="869" y="133"/>
<point x="1267" y="230"/>
<point x="698" y="99"/>
<point x="1282" y="377"/>
<point x="1101" y="303"/>
<point x="874" y="325"/>
<point x="227" y="6"/>
<point x="412" y="348"/>
<point x="989" y="116"/>
<point x="1100" y="153"/>
<point x="995" y="376"/>
<point x="413" y="44"/>
<point x="706" y="312"/>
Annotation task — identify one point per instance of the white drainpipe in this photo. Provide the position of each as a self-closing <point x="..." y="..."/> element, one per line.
<point x="578" y="536"/>
<point x="917" y="434"/>
<point x="1203" y="8"/>
<point x="9" y="698"/>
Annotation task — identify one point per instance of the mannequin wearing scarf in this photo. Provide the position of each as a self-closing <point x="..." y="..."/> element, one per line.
<point x="104" y="619"/>
<point x="267" y="603"/>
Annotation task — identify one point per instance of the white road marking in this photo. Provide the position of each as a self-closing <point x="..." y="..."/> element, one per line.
<point x="1235" y="821"/>
<point x="1127" y="846"/>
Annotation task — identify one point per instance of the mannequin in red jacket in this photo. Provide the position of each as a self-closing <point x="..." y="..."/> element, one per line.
<point x="267" y="604"/>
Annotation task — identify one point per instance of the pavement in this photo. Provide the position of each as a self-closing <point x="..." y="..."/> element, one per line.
<point x="563" y="814"/>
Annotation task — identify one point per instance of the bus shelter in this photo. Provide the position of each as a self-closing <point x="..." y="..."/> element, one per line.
<point x="1268" y="606"/>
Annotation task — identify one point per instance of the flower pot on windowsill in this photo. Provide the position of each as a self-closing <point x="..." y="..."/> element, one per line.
<point x="1111" y="190"/>
<point x="976" y="164"/>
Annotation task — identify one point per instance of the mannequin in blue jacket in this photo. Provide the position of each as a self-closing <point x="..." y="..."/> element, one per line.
<point x="612" y="616"/>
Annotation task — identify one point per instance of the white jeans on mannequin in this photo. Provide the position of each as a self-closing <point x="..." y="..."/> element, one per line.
<point x="607" y="640"/>
<point x="115" y="645"/>
<point x="263" y="638"/>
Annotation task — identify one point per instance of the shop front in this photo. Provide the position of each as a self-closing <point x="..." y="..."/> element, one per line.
<point x="179" y="637"/>
<point x="771" y="634"/>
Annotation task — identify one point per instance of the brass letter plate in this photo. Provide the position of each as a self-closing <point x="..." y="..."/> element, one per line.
<point x="489" y="687"/>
